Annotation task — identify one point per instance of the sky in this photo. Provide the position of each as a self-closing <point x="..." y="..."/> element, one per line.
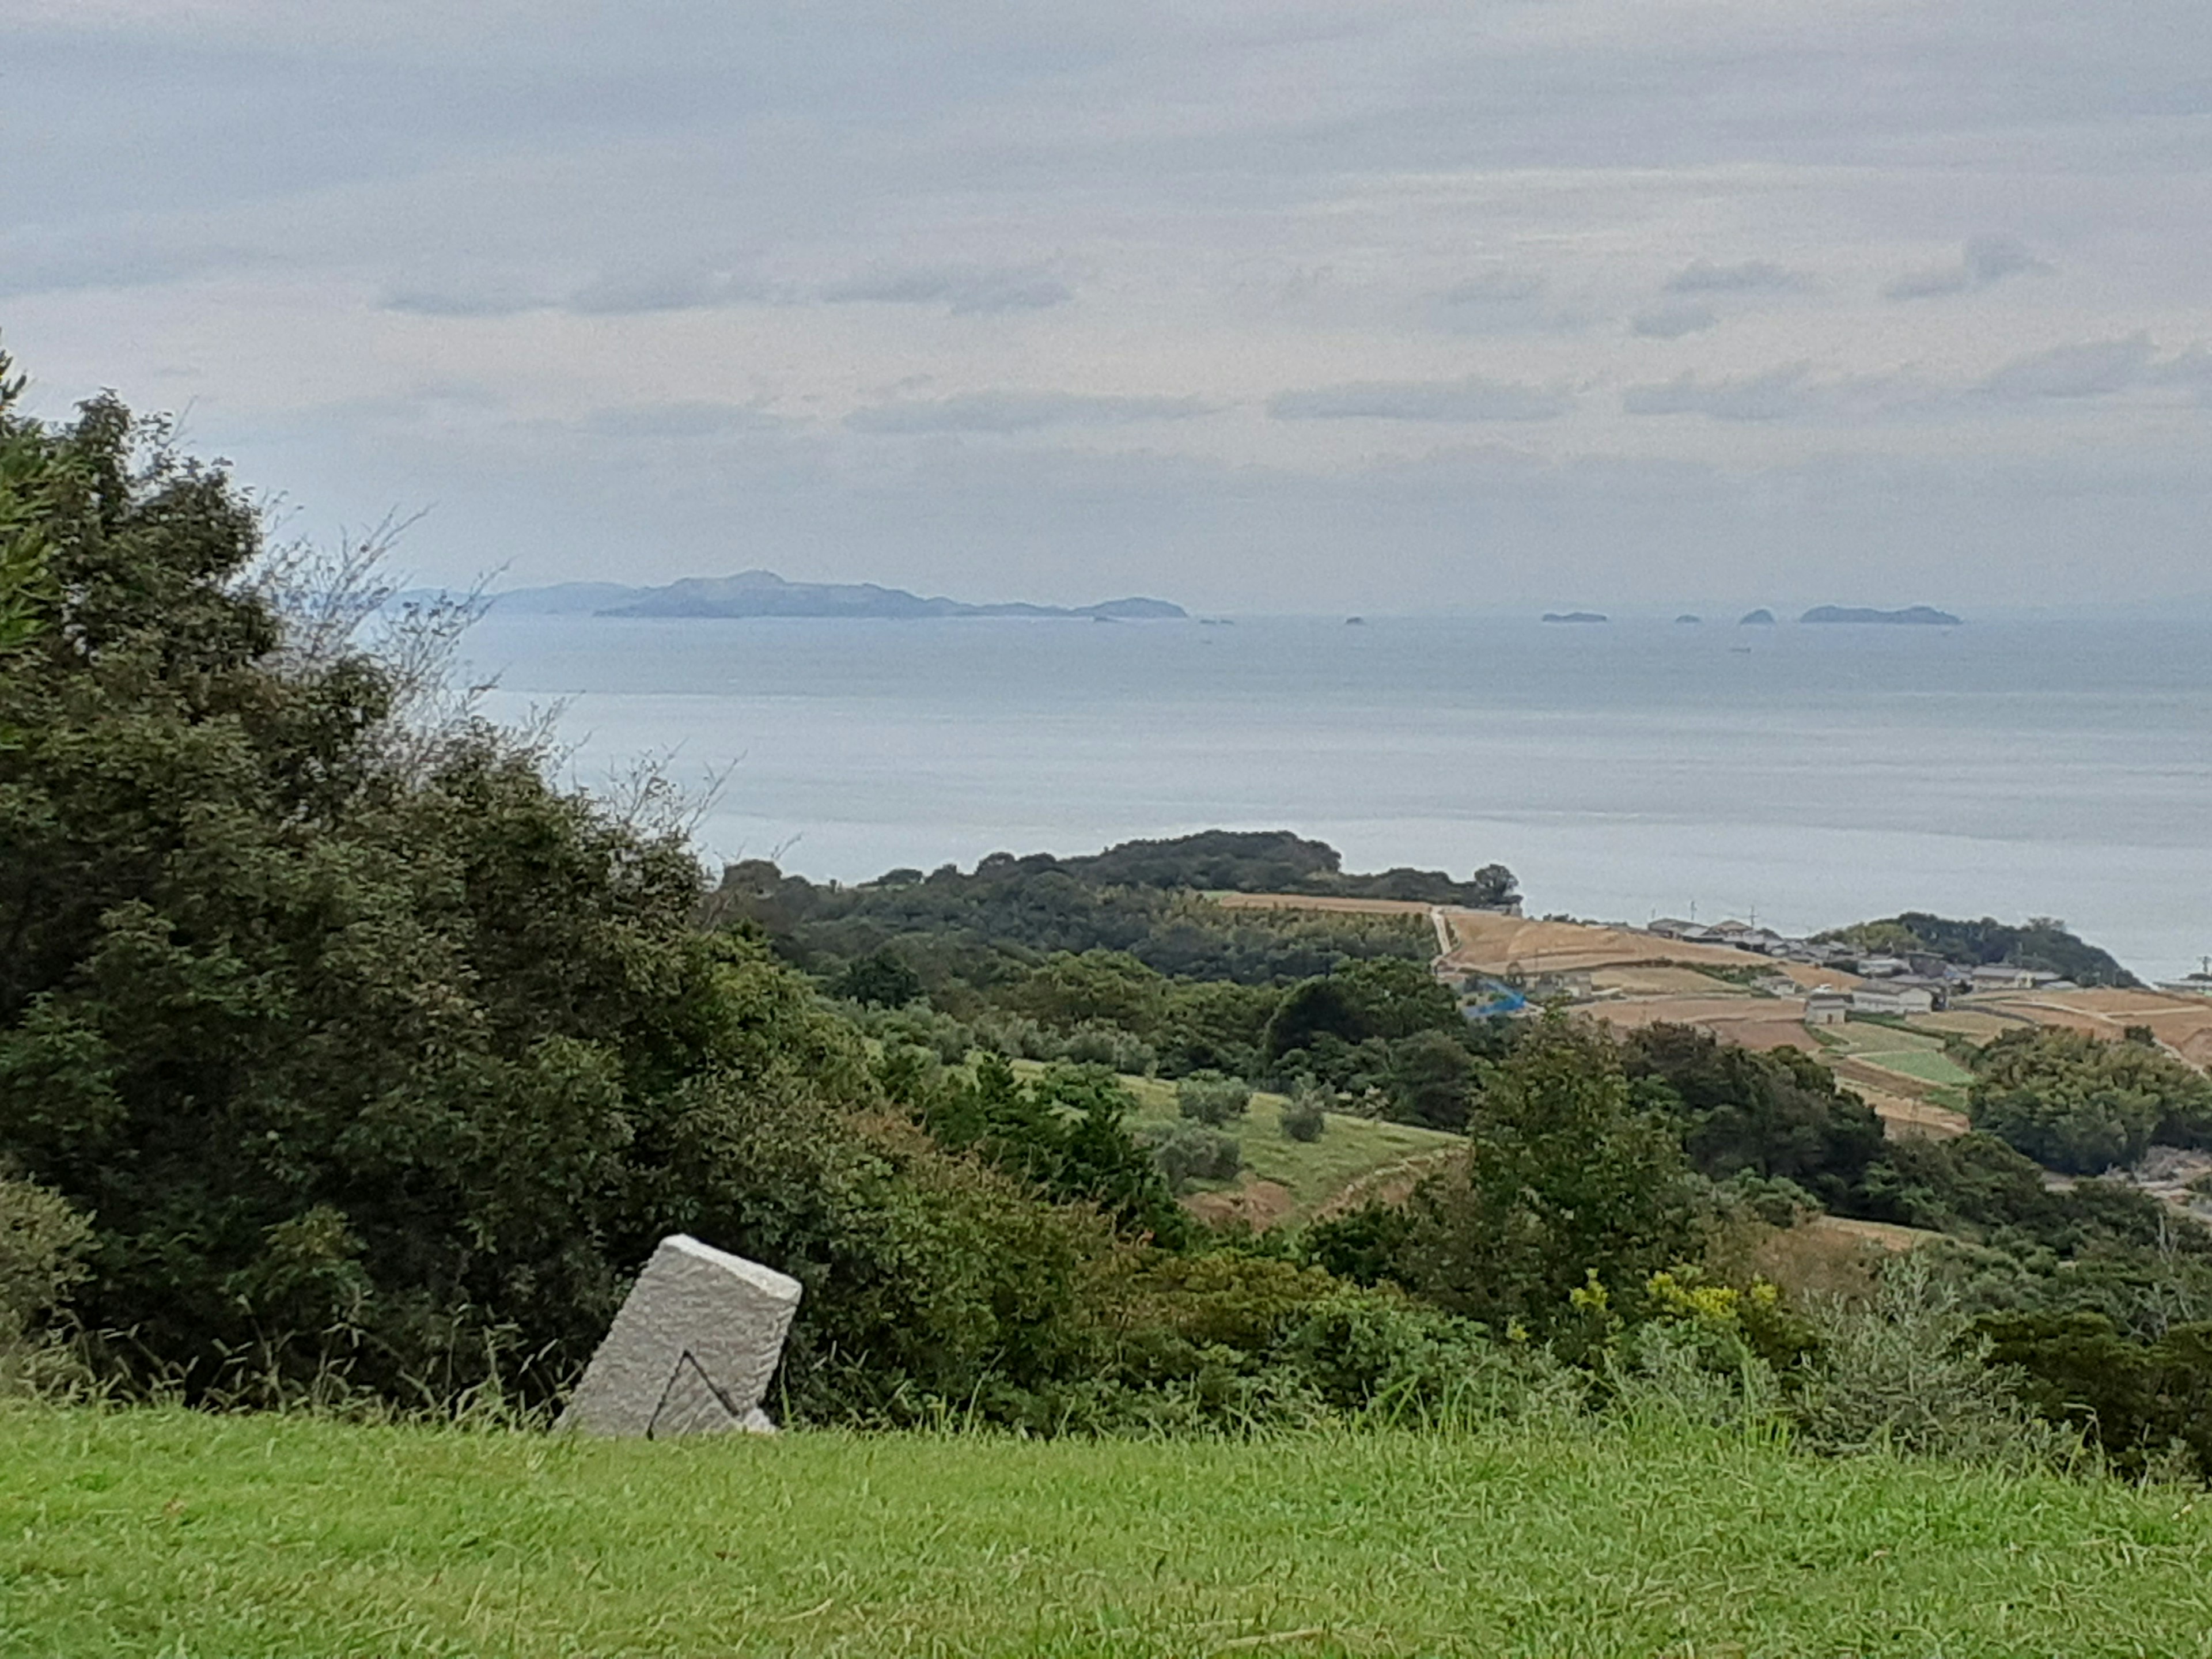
<point x="1306" y="305"/>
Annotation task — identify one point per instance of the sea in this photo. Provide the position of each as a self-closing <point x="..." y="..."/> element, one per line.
<point x="1798" y="776"/>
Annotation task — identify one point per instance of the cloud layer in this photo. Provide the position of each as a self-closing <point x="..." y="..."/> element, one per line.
<point x="1616" y="293"/>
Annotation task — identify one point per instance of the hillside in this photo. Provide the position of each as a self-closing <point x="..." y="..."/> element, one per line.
<point x="159" y="1531"/>
<point x="764" y="594"/>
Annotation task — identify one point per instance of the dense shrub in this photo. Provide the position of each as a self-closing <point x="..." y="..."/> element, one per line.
<point x="43" y="1243"/>
<point x="1907" y="1372"/>
<point x="1305" y="1114"/>
<point x="1777" y="1115"/>
<point x="2081" y="1104"/>
<point x="365" y="1049"/>
<point x="1209" y="1097"/>
<point x="1187" y="1151"/>
<point x="2142" y="1402"/>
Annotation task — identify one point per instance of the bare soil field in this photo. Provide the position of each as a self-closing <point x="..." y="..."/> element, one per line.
<point x="2183" y="1023"/>
<point x="1659" y="980"/>
<point x="1754" y="1022"/>
<point x="1485" y="942"/>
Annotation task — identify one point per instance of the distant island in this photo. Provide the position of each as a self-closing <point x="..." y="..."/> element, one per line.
<point x="764" y="594"/>
<point x="1690" y="618"/>
<point x="1915" y="616"/>
<point x="1574" y="616"/>
<point x="1761" y="617"/>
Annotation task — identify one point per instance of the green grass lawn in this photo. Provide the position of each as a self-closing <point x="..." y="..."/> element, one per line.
<point x="1314" y="1172"/>
<point x="162" y="1533"/>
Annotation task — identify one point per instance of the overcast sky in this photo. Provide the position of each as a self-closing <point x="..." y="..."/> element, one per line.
<point x="1300" y="304"/>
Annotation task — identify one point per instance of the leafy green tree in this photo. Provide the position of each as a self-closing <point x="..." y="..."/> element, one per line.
<point x="882" y="978"/>
<point x="363" y="1046"/>
<point x="1107" y="987"/>
<point x="1430" y="1077"/>
<point x="1188" y="1152"/>
<point x="1565" y="1176"/>
<point x="2081" y="1104"/>
<point x="1065" y="1135"/>
<point x="1779" y="1115"/>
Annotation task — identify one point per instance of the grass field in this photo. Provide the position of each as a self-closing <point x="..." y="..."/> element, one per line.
<point x="1927" y="1067"/>
<point x="1312" y="1172"/>
<point x="160" y="1533"/>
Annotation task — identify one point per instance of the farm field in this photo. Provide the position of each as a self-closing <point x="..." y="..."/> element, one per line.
<point x="154" y="1532"/>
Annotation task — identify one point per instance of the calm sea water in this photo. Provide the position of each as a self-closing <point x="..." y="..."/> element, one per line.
<point x="1810" y="776"/>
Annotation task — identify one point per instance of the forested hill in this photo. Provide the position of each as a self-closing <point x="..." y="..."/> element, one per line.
<point x="2042" y="944"/>
<point x="1240" y="861"/>
<point x="1139" y="896"/>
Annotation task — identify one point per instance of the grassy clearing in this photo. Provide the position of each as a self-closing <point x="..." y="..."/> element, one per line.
<point x="1313" y="1171"/>
<point x="164" y="1532"/>
<point x="1919" y="1063"/>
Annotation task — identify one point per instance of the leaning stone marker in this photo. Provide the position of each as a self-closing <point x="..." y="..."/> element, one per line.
<point x="691" y="1349"/>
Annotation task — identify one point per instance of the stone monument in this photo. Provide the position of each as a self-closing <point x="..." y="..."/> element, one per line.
<point x="691" y="1349"/>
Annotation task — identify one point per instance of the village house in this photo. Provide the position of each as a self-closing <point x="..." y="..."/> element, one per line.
<point x="2004" y="977"/>
<point x="1883" y="967"/>
<point x="1827" y="1007"/>
<point x="1892" y="998"/>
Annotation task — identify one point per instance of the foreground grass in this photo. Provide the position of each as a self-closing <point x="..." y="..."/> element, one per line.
<point x="163" y="1533"/>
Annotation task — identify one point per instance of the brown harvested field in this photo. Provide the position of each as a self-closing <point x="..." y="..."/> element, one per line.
<point x="2183" y="1023"/>
<point x="1977" y="1024"/>
<point x="1820" y="979"/>
<point x="1661" y="979"/>
<point x="1485" y="942"/>
<point x="1754" y="1022"/>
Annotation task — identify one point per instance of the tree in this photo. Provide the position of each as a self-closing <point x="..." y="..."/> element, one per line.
<point x="2081" y="1104"/>
<point x="1774" y="1114"/>
<point x="882" y="978"/>
<point x="362" y="1046"/>
<point x="1564" y="1178"/>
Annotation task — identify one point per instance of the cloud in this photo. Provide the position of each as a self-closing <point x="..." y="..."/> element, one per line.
<point x="1753" y="276"/>
<point x="1673" y="319"/>
<point x="2094" y="369"/>
<point x="1786" y="393"/>
<point x="437" y="298"/>
<point x="1499" y="287"/>
<point x="625" y="292"/>
<point x="1501" y="300"/>
<point x="1471" y="400"/>
<point x="963" y="291"/>
<point x="1020" y="411"/>
<point x="1986" y="261"/>
<point x="681" y="420"/>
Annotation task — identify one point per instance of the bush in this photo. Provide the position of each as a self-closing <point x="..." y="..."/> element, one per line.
<point x="43" y="1243"/>
<point x="2080" y="1104"/>
<point x="1305" y="1115"/>
<point x="1907" y="1372"/>
<point x="2141" y="1402"/>
<point x="1211" y="1098"/>
<point x="369" y="1051"/>
<point x="1188" y="1152"/>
